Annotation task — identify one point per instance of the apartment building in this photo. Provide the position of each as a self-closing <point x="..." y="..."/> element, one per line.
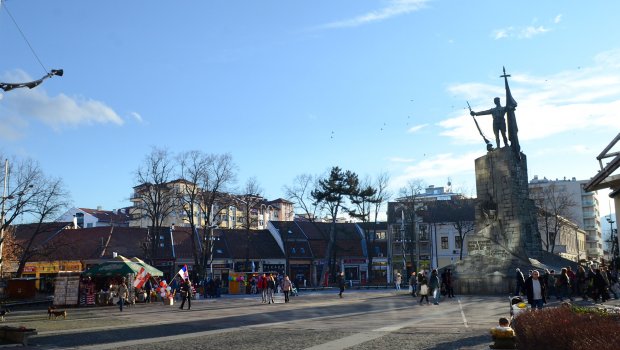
<point x="583" y="209"/>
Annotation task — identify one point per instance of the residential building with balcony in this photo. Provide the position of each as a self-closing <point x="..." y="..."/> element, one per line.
<point x="584" y="212"/>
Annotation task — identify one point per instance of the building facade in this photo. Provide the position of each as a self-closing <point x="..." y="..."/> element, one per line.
<point x="583" y="209"/>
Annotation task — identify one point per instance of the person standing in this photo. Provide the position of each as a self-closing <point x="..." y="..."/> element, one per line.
<point x="448" y="283"/>
<point x="148" y="288"/>
<point x="262" y="287"/>
<point x="413" y="281"/>
<point x="520" y="281"/>
<point x="535" y="290"/>
<point x="341" y="282"/>
<point x="123" y="293"/>
<point x="563" y="284"/>
<point x="186" y="294"/>
<point x="398" y="281"/>
<point x="286" y="287"/>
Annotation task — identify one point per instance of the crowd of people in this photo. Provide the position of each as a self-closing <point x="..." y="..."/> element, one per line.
<point x="591" y="283"/>
<point x="433" y="283"/>
<point x="268" y="284"/>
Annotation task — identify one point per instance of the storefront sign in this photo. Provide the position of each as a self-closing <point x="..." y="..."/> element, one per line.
<point x="354" y="261"/>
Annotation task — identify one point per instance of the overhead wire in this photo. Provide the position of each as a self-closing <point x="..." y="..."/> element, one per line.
<point x="23" y="35"/>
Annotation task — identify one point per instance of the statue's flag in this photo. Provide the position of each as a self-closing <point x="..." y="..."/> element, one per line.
<point x="184" y="273"/>
<point x="141" y="278"/>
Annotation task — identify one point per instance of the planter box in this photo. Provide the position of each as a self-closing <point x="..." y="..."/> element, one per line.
<point x="17" y="335"/>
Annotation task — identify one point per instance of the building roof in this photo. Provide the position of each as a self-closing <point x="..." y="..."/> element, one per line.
<point x="109" y="216"/>
<point x="252" y="244"/>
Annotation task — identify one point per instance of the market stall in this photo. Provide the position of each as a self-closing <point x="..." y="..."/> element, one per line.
<point x="104" y="277"/>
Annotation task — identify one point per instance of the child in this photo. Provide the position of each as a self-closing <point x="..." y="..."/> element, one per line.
<point x="503" y="335"/>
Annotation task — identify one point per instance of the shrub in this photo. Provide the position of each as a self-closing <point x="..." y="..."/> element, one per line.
<point x="567" y="328"/>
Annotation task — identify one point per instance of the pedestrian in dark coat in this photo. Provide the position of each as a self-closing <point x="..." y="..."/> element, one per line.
<point x="520" y="282"/>
<point x="536" y="290"/>
<point x="186" y="294"/>
<point x="341" y="282"/>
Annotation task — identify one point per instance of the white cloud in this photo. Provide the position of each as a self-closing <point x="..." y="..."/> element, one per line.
<point x="57" y="112"/>
<point x="437" y="168"/>
<point x="394" y="8"/>
<point x="502" y="33"/>
<point x="416" y="128"/>
<point x="548" y="105"/>
<point x="525" y="32"/>
<point x="401" y="160"/>
<point x="137" y="117"/>
<point x="531" y="31"/>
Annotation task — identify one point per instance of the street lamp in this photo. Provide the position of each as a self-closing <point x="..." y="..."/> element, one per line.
<point x="613" y="239"/>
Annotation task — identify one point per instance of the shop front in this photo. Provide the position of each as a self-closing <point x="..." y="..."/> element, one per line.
<point x="355" y="271"/>
<point x="379" y="271"/>
<point x="45" y="272"/>
<point x="300" y="272"/>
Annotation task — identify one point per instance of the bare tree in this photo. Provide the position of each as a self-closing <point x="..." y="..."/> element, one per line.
<point x="49" y="198"/>
<point x="300" y="193"/>
<point x="30" y="194"/>
<point x="381" y="196"/>
<point x="553" y="204"/>
<point x="219" y="175"/>
<point x="410" y="199"/>
<point x="459" y="211"/>
<point x="158" y="198"/>
<point x="192" y="168"/>
<point x="249" y="201"/>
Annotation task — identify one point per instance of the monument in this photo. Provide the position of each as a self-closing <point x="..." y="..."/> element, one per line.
<point x="506" y="233"/>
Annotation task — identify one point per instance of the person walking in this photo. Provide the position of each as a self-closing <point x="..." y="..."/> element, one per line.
<point x="423" y="281"/>
<point x="287" y="285"/>
<point x="186" y="294"/>
<point x="433" y="285"/>
<point x="271" y="286"/>
<point x="341" y="282"/>
<point x="123" y="293"/>
<point x="535" y="290"/>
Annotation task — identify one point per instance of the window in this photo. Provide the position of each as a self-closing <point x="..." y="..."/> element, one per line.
<point x="302" y="250"/>
<point x="380" y="235"/>
<point x="457" y="242"/>
<point x="444" y="242"/>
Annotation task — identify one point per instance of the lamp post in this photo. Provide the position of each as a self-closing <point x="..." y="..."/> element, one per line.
<point x="4" y="198"/>
<point x="613" y="239"/>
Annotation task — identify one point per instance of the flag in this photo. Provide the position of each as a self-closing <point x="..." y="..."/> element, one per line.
<point x="183" y="273"/>
<point x="141" y="278"/>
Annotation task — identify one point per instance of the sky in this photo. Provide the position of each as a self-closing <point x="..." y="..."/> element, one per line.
<point x="297" y="87"/>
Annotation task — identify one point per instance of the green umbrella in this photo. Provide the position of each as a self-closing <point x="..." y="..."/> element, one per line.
<point x="150" y="269"/>
<point x="113" y="268"/>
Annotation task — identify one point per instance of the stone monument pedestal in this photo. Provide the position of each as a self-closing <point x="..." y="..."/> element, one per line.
<point x="506" y="230"/>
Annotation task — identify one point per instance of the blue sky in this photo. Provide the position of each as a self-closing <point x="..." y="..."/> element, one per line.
<point x="292" y="87"/>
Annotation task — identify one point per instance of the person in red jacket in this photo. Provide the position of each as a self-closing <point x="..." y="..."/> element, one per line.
<point x="262" y="287"/>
